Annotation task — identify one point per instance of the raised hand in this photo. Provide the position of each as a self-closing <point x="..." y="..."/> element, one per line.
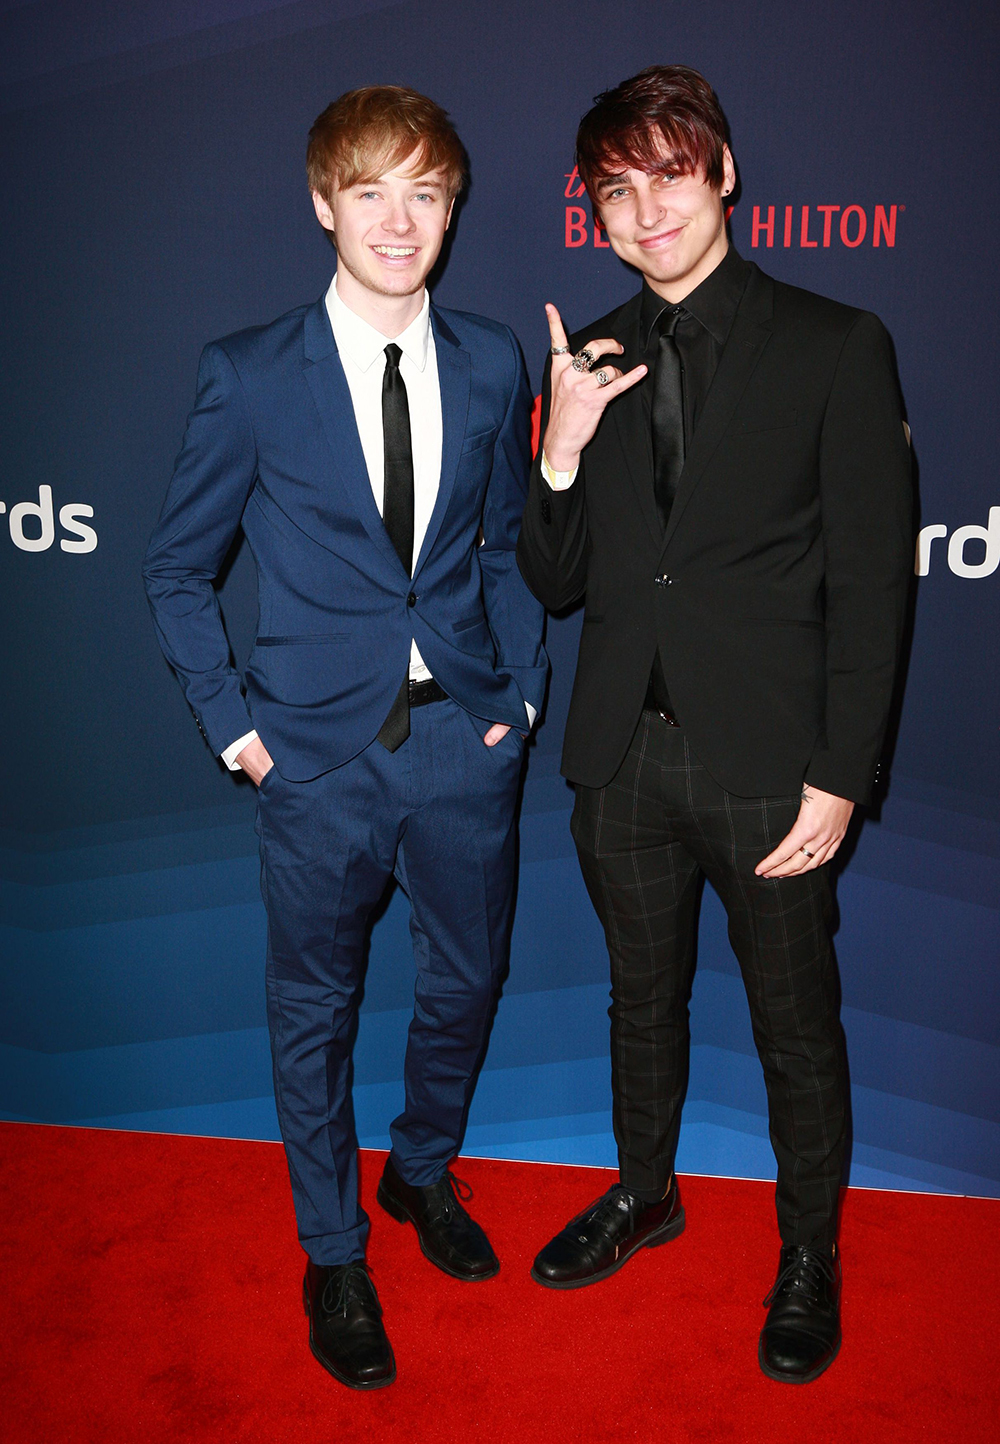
<point x="579" y="397"/>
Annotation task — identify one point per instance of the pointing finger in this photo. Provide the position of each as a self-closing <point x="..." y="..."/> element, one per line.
<point x="556" y="329"/>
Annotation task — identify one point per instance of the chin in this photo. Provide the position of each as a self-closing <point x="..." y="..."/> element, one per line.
<point x="395" y="285"/>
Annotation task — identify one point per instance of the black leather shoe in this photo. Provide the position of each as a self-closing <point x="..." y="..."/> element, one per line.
<point x="448" y="1236"/>
<point x="802" y="1334"/>
<point x="596" y="1243"/>
<point x="345" y="1325"/>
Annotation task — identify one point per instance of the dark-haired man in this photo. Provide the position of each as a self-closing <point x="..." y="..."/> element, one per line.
<point x="375" y="451"/>
<point x="725" y="480"/>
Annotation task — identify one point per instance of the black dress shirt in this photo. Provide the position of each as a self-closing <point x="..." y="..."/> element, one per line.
<point x="701" y="334"/>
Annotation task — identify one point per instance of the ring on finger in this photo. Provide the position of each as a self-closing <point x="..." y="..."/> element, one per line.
<point x="807" y="852"/>
<point x="583" y="360"/>
<point x="603" y="378"/>
<point x="558" y="350"/>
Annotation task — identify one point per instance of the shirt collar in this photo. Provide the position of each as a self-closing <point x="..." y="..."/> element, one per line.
<point x="714" y="302"/>
<point x="362" y="344"/>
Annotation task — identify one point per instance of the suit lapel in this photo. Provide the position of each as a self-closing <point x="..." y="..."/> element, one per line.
<point x="743" y="350"/>
<point x="326" y="380"/>
<point x="631" y="419"/>
<point x="454" y="379"/>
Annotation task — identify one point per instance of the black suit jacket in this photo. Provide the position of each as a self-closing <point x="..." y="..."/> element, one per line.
<point x="777" y="593"/>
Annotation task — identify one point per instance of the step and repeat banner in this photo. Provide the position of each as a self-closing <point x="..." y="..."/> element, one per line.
<point x="153" y="162"/>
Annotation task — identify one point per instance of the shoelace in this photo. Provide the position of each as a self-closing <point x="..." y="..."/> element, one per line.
<point x="805" y="1272"/>
<point x="607" y="1208"/>
<point x="354" y="1283"/>
<point x="451" y="1191"/>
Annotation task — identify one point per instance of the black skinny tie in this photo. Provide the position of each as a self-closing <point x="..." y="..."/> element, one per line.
<point x="397" y="515"/>
<point x="668" y="416"/>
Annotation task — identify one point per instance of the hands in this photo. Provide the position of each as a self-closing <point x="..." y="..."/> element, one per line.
<point x="255" y="760"/>
<point x="578" y="398"/>
<point x="818" y="832"/>
<point x="496" y="734"/>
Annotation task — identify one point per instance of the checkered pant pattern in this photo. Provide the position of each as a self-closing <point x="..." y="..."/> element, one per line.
<point x="644" y="841"/>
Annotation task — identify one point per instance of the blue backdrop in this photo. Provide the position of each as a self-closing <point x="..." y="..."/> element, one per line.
<point x="153" y="165"/>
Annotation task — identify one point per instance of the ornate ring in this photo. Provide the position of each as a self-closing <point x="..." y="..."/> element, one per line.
<point x="558" y="350"/>
<point x="807" y="852"/>
<point x="603" y="378"/>
<point x="583" y="360"/>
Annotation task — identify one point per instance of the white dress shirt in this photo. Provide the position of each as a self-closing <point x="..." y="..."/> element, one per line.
<point x="362" y="355"/>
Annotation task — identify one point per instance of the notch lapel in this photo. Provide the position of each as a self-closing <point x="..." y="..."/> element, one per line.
<point x="454" y="379"/>
<point x="743" y="350"/>
<point x="331" y="394"/>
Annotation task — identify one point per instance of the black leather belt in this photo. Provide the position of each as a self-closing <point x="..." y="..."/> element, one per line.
<point x="423" y="692"/>
<point x="652" y="705"/>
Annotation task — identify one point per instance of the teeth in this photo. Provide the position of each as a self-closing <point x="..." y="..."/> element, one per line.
<point x="395" y="250"/>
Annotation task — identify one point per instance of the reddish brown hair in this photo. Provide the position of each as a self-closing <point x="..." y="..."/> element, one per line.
<point x="372" y="130"/>
<point x="627" y="127"/>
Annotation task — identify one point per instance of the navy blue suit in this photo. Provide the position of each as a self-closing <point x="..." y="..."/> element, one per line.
<point x="272" y="446"/>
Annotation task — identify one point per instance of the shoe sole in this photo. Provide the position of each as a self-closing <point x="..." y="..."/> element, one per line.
<point x="795" y="1378"/>
<point x="663" y="1234"/>
<point x="340" y="1378"/>
<point x="401" y="1214"/>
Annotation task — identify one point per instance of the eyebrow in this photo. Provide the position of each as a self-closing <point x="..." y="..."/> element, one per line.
<point x="607" y="182"/>
<point x="424" y="182"/>
<point x="669" y="165"/>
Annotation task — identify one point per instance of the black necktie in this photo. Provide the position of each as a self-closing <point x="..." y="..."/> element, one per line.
<point x="667" y="416"/>
<point x="397" y="515"/>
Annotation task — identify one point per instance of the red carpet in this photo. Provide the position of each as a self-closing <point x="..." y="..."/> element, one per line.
<point x="152" y="1292"/>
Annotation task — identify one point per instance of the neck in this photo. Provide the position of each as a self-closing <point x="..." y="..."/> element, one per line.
<point x="676" y="291"/>
<point x="389" y="315"/>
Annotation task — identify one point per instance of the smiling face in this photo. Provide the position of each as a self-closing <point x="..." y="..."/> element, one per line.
<point x="670" y="226"/>
<point x="388" y="233"/>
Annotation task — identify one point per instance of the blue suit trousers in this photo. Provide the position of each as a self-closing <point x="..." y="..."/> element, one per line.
<point x="439" y="813"/>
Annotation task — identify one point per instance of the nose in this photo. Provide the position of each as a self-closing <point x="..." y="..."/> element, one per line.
<point x="398" y="219"/>
<point x="649" y="209"/>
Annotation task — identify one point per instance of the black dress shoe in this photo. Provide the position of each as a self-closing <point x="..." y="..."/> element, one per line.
<point x="596" y="1243"/>
<point x="448" y="1236"/>
<point x="802" y="1333"/>
<point x="345" y="1325"/>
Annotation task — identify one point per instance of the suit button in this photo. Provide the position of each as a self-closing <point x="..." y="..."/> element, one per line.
<point x="546" y="513"/>
<point x="662" y="580"/>
<point x="411" y="600"/>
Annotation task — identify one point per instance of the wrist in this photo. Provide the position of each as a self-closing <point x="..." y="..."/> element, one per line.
<point x="561" y="459"/>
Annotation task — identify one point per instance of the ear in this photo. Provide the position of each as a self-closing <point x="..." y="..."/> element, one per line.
<point x="323" y="212"/>
<point x="728" y="172"/>
<point x="451" y="207"/>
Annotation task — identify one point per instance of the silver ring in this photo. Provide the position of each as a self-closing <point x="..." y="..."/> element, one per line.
<point x="558" y="350"/>
<point x="583" y="360"/>
<point x="603" y="378"/>
<point x="807" y="852"/>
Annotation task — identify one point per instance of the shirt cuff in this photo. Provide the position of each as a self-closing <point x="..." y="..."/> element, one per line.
<point x="558" y="480"/>
<point x="532" y="714"/>
<point x="233" y="751"/>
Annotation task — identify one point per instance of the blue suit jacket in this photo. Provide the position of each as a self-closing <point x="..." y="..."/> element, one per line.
<point x="272" y="446"/>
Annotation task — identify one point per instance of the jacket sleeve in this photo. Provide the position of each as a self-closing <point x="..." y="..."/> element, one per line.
<point x="516" y="619"/>
<point x="867" y="516"/>
<point x="553" y="548"/>
<point x="213" y="477"/>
